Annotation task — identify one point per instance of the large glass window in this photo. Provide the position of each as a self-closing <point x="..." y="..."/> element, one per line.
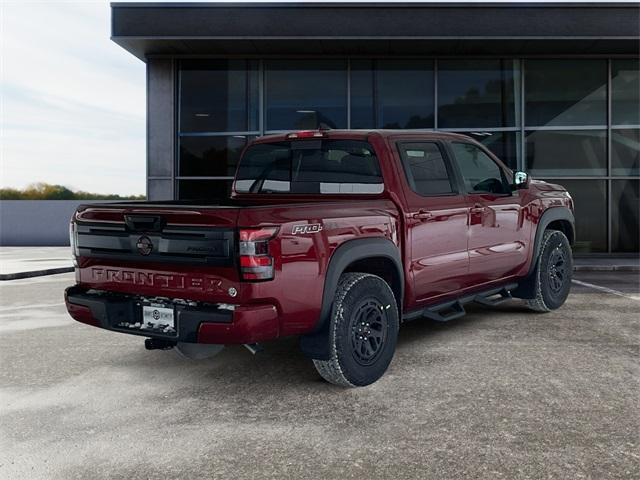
<point x="218" y="96"/>
<point x="310" y="167"/>
<point x="392" y="93"/>
<point x="206" y="156"/>
<point x="625" y="92"/>
<point x="563" y="92"/>
<point x="478" y="93"/>
<point x="305" y="94"/>
<point x="590" y="201"/>
<point x="426" y="169"/>
<point x="223" y="103"/>
<point x="209" y="191"/>
<point x="566" y="153"/>
<point x="481" y="174"/>
<point x="625" y="227"/>
<point x="504" y="145"/>
<point x="625" y="151"/>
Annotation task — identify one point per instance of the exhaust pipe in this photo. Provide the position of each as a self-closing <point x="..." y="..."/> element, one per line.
<point x="158" y="344"/>
<point x="253" y="347"/>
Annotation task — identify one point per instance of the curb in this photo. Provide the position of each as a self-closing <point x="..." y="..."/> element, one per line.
<point x="606" y="268"/>
<point x="35" y="273"/>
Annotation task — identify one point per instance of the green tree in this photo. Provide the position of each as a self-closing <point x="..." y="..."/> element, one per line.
<point x="45" y="191"/>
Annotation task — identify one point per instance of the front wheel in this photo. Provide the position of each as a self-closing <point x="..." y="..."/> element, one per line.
<point x="553" y="273"/>
<point x="363" y="331"/>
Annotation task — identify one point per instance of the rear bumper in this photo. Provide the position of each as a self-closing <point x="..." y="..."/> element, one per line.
<point x="195" y="324"/>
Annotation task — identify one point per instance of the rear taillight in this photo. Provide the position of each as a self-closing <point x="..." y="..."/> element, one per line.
<point x="255" y="261"/>
<point x="73" y="242"/>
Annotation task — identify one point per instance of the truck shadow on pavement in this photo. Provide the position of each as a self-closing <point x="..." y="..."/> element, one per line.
<point x="282" y="364"/>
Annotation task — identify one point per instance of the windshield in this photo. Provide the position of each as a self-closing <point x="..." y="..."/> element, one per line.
<point x="310" y="166"/>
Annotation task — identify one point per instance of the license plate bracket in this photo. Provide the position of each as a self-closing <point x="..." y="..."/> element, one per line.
<point x="159" y="317"/>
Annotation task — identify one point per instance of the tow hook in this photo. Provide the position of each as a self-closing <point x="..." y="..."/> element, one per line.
<point x="253" y="347"/>
<point x="158" y="344"/>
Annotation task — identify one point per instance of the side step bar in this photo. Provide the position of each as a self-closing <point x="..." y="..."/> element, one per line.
<point x="445" y="312"/>
<point x="495" y="299"/>
<point x="452" y="309"/>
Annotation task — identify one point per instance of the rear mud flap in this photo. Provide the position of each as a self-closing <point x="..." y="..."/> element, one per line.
<point x="316" y="345"/>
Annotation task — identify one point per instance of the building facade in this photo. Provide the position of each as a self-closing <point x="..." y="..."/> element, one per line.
<point x="552" y="89"/>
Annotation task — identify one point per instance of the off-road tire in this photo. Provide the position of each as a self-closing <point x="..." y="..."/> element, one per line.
<point x="364" y="319"/>
<point x="553" y="272"/>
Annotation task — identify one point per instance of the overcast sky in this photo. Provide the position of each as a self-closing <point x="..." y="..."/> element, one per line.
<point x="72" y="101"/>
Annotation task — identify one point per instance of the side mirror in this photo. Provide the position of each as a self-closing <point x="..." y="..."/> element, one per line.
<point x="521" y="180"/>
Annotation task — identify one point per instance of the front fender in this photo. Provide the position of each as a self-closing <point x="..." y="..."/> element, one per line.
<point x="551" y="215"/>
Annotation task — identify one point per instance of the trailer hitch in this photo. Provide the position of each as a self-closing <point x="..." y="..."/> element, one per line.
<point x="158" y="344"/>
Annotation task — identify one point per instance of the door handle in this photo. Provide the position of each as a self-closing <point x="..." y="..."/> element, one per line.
<point x="423" y="215"/>
<point x="477" y="208"/>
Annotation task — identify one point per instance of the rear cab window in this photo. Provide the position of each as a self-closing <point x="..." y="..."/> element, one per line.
<point x="314" y="166"/>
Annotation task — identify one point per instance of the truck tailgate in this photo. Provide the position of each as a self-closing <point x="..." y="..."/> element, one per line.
<point x="158" y="250"/>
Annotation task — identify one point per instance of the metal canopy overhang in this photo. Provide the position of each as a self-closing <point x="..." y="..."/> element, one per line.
<point x="150" y="29"/>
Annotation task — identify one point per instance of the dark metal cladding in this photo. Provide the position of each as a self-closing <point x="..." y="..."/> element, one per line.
<point x="147" y="29"/>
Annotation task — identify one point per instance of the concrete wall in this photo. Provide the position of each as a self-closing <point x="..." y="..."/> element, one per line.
<point x="36" y="222"/>
<point x="161" y="128"/>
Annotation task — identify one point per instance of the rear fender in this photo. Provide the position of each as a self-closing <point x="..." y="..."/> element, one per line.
<point x="316" y="344"/>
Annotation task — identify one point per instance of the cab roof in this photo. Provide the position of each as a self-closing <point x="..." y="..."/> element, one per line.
<point x="360" y="134"/>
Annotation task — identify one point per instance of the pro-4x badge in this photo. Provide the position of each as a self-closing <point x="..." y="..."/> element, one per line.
<point x="307" y="228"/>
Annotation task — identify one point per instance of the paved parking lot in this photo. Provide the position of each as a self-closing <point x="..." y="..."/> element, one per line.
<point x="500" y="393"/>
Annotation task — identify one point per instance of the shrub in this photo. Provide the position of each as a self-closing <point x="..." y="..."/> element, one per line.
<point x="44" y="191"/>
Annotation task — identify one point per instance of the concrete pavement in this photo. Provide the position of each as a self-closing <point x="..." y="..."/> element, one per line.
<point x="500" y="393"/>
<point x="25" y="262"/>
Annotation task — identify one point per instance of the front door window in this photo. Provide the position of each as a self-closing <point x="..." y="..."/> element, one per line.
<point x="481" y="174"/>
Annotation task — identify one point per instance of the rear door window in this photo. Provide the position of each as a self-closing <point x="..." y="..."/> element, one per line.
<point x="310" y="167"/>
<point x="426" y="169"/>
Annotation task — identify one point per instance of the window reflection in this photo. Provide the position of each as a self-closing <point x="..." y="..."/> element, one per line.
<point x="625" y="151"/>
<point x="504" y="145"/>
<point x="566" y="153"/>
<point x="479" y="171"/>
<point x="392" y="94"/>
<point x="565" y="92"/>
<point x="218" y="95"/>
<point x="306" y="94"/>
<point x="477" y="93"/>
<point x="625" y="92"/>
<point x="625" y="227"/>
<point x="590" y="202"/>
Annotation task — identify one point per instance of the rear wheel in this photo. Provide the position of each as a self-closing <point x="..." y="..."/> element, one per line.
<point x="363" y="331"/>
<point x="553" y="273"/>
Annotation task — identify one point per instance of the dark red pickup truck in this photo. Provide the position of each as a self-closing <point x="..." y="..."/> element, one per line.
<point x="335" y="236"/>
